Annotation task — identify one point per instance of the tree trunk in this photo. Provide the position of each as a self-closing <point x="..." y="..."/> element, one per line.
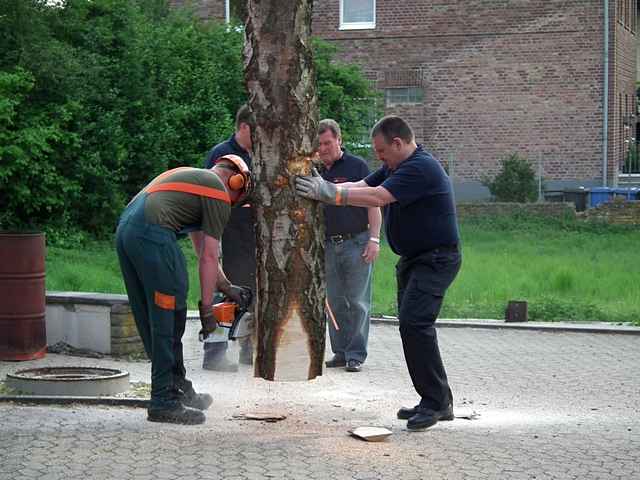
<point x="291" y="289"/>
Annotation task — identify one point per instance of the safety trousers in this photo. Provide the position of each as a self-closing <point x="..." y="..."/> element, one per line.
<point x="156" y="280"/>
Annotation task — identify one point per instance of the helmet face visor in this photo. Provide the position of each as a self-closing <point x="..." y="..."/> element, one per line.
<point x="243" y="170"/>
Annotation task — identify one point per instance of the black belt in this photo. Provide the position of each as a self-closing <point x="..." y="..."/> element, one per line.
<point x="339" y="238"/>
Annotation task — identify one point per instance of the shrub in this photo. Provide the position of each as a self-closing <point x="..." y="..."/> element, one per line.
<point x="516" y="181"/>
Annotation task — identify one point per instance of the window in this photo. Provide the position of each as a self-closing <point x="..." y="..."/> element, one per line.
<point x="403" y="95"/>
<point x="357" y="14"/>
<point x="620" y="11"/>
<point x="235" y="10"/>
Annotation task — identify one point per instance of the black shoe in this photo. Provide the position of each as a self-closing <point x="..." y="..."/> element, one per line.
<point x="426" y="418"/>
<point x="221" y="365"/>
<point x="199" y="401"/>
<point x="335" y="362"/>
<point x="246" y="356"/>
<point x="180" y="415"/>
<point x="406" y="413"/>
<point x="353" y="366"/>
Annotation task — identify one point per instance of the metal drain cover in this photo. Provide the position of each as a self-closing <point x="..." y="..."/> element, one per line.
<point x="70" y="381"/>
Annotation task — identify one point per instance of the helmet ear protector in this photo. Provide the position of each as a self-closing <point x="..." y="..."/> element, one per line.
<point x="236" y="182"/>
<point x="241" y="180"/>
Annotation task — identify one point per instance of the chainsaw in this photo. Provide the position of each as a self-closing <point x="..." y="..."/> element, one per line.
<point x="235" y="319"/>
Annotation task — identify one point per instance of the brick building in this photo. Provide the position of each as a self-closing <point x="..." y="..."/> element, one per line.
<point x="480" y="79"/>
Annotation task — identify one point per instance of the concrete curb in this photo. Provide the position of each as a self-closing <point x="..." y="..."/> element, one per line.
<point x="67" y="400"/>
<point x="595" y="327"/>
<point x="603" y="327"/>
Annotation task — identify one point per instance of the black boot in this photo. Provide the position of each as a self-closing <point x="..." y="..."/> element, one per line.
<point x="180" y="414"/>
<point x="335" y="362"/>
<point x="425" y="418"/>
<point x="200" y="401"/>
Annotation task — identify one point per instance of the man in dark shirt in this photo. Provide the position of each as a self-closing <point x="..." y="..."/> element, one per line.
<point x="352" y="245"/>
<point x="421" y="227"/>
<point x="238" y="242"/>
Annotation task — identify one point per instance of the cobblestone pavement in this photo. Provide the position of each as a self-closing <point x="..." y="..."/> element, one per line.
<point x="551" y="405"/>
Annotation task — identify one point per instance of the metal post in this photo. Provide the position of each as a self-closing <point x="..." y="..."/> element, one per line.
<point x="540" y="196"/>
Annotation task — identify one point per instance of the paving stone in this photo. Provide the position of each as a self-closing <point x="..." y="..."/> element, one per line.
<point x="552" y="405"/>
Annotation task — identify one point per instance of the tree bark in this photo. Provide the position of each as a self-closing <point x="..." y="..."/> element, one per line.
<point x="291" y="289"/>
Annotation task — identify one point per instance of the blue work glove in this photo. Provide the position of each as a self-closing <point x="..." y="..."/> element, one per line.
<point x="315" y="187"/>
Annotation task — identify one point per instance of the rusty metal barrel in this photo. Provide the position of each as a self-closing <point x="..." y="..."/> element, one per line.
<point x="22" y="296"/>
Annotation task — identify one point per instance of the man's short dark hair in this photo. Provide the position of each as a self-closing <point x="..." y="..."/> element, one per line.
<point x="329" y="125"/>
<point x="245" y="115"/>
<point x="391" y="127"/>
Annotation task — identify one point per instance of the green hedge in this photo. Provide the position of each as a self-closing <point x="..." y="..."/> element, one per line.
<point x="99" y="96"/>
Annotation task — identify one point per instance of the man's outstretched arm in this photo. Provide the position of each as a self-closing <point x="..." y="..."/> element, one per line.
<point x="357" y="194"/>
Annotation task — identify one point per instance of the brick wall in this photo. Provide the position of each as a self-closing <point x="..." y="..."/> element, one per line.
<point x="204" y="8"/>
<point x="622" y="89"/>
<point x="491" y="209"/>
<point x="618" y="212"/>
<point x="498" y="77"/>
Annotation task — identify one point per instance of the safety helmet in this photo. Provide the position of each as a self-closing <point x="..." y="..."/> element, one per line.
<point x="243" y="180"/>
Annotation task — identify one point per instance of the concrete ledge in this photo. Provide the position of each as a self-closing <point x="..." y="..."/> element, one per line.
<point x="87" y="298"/>
<point x="594" y="327"/>
<point x="599" y="327"/>
<point x="66" y="400"/>
<point x="99" y="322"/>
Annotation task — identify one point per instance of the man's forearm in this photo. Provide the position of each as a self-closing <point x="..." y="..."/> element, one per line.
<point x="223" y="282"/>
<point x="358" y="184"/>
<point x="208" y="271"/>
<point x="375" y="221"/>
<point x="363" y="196"/>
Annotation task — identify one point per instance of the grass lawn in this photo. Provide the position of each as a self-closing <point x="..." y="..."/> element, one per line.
<point x="564" y="270"/>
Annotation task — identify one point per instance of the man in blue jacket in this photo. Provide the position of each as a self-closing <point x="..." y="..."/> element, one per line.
<point x="238" y="241"/>
<point x="421" y="227"/>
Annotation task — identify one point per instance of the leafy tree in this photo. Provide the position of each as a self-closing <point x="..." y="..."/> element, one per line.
<point x="120" y="91"/>
<point x="98" y="96"/>
<point x="30" y="189"/>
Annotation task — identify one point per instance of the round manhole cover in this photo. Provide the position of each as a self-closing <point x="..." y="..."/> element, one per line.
<point x="70" y="381"/>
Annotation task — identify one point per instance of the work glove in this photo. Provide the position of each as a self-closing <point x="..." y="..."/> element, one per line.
<point x="207" y="320"/>
<point x="238" y="294"/>
<point x="315" y="187"/>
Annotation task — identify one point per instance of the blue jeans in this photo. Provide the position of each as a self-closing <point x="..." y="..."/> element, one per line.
<point x="349" y="294"/>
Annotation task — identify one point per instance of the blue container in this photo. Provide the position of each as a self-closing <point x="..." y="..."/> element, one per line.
<point x="600" y="195"/>
<point x="626" y="193"/>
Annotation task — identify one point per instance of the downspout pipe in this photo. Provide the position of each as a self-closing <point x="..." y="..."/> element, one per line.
<point x="605" y="98"/>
